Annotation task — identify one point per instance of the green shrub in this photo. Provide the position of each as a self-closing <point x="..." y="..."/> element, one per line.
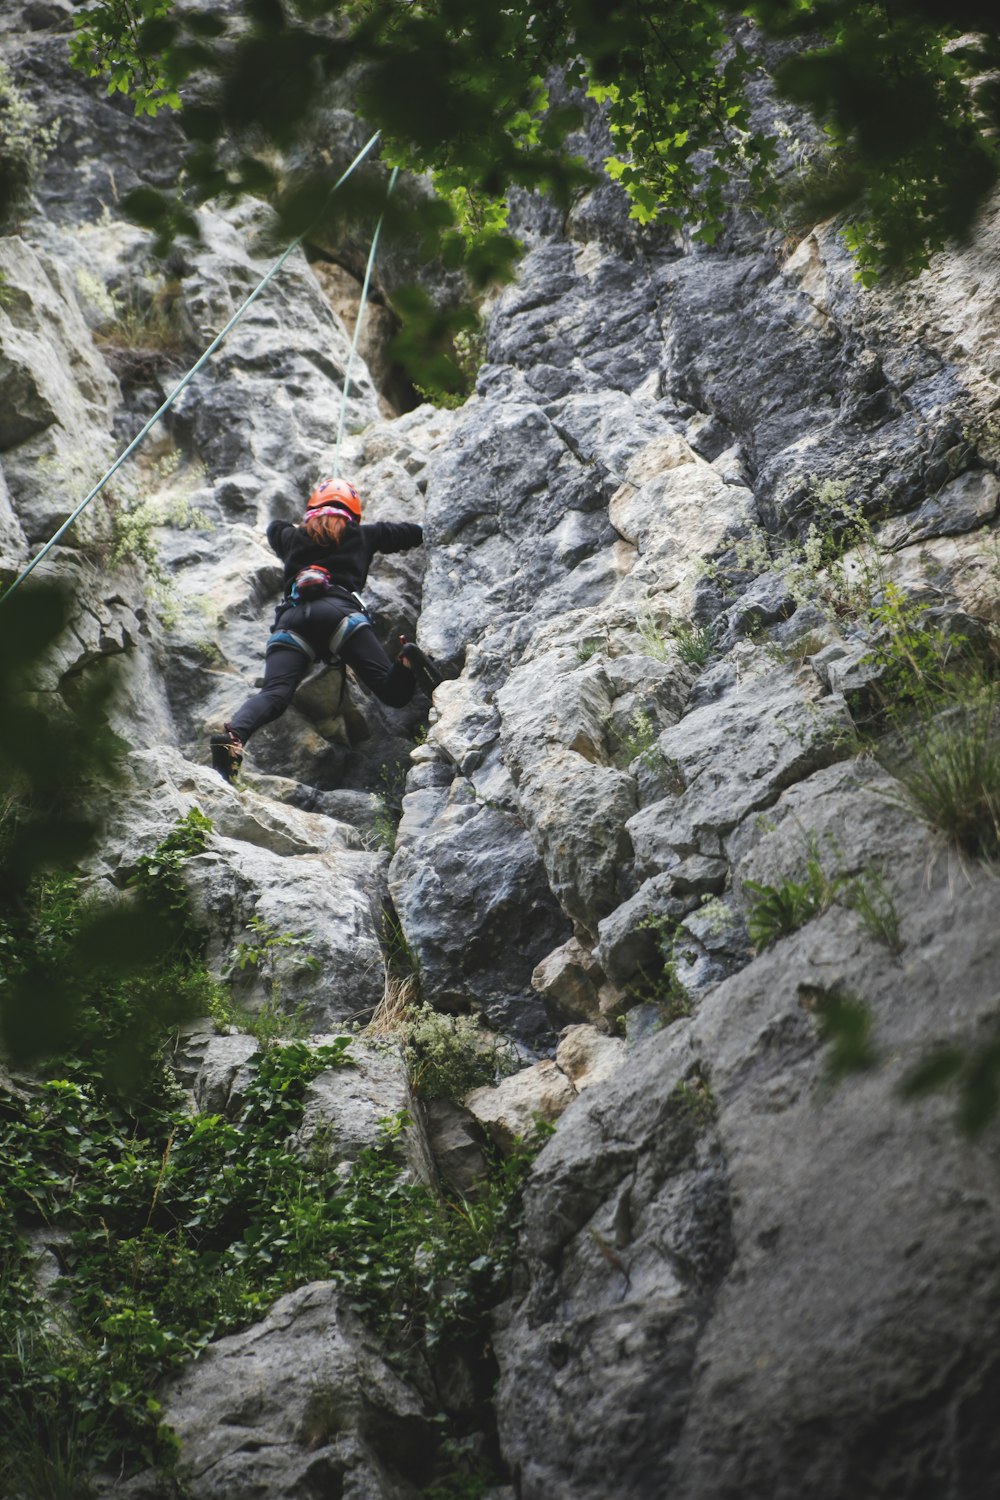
<point x="949" y="774"/>
<point x="448" y="1056"/>
<point x="262" y="953"/>
<point x="270" y="1024"/>
<point x="655" y="639"/>
<point x="24" y="145"/>
<point x="143" y="320"/>
<point x="870" y="897"/>
<point x="664" y="987"/>
<point x="693" y="1096"/>
<point x="640" y="741"/>
<point x="695" y="643"/>
<point x="177" y="1227"/>
<point x="185" y="1227"/>
<point x="468" y="354"/>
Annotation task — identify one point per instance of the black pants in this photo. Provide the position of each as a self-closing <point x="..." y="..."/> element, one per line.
<point x="285" y="666"/>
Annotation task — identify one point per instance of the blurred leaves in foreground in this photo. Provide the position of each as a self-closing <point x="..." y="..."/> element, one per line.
<point x="116" y="966"/>
<point x="903" y="98"/>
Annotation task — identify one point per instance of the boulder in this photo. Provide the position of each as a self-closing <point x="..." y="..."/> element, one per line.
<point x="510" y="1112"/>
<point x="588" y="1056"/>
<point x="301" y="1403"/>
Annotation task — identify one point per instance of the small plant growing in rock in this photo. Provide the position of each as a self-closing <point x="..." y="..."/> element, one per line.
<point x="656" y="641"/>
<point x="665" y="988"/>
<point x="837" y="566"/>
<point x="24" y="145"/>
<point x="262" y="953"/>
<point x="640" y="742"/>
<point x="949" y="773"/>
<point x="469" y="350"/>
<point x="776" y="910"/>
<point x="694" y="1097"/>
<point x="387" y="807"/>
<point x="449" y="1056"/>
<point x="695" y="643"/>
<point x="144" y="321"/>
<point x="270" y="1024"/>
<point x="870" y="897"/>
<point x="135" y="520"/>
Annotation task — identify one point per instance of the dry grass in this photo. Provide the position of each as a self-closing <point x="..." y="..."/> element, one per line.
<point x="400" y="999"/>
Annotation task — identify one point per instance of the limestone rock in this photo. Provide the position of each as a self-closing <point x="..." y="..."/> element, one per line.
<point x="456" y="1146"/>
<point x="303" y="1400"/>
<point x="330" y="907"/>
<point x="588" y="1056"/>
<point x="702" y="1160"/>
<point x="784" y="729"/>
<point x="569" y="978"/>
<point x="458" y="905"/>
<point x="214" y="1067"/>
<point x="510" y="1111"/>
<point x="735" y="1280"/>
<point x="575" y="805"/>
<point x="345" y="1107"/>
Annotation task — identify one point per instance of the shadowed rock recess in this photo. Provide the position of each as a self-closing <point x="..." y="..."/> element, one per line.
<point x="737" y="1276"/>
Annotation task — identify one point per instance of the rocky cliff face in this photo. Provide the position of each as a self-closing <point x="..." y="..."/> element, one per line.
<point x="736" y="1278"/>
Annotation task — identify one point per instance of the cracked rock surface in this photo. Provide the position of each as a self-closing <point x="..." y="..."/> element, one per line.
<point x="736" y="1277"/>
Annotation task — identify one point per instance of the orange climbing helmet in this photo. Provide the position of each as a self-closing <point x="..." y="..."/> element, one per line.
<point x="339" y="494"/>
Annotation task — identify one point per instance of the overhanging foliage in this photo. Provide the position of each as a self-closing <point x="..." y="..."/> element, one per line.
<point x="905" y="91"/>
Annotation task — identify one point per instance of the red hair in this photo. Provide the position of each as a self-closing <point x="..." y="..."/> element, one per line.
<point x="326" y="526"/>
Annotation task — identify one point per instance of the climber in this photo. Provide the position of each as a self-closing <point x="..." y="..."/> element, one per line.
<point x="326" y="559"/>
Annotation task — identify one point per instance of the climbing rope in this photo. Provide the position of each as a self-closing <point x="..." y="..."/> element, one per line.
<point x="186" y="380"/>
<point x="357" y="326"/>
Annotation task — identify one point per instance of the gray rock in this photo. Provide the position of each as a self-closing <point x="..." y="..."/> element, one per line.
<point x="56" y="394"/>
<point x="346" y="1107"/>
<point x="510" y="1111"/>
<point x="784" y="729"/>
<point x="588" y="1056"/>
<point x="332" y="909"/>
<point x="628" y="941"/>
<point x="458" y="905"/>
<point x="303" y="1400"/>
<point x="570" y="980"/>
<point x="968" y="501"/>
<point x="735" y="1280"/>
<point x="555" y="741"/>
<point x="456" y="1144"/>
<point x="215" y="1069"/>
<point x="759" y="1192"/>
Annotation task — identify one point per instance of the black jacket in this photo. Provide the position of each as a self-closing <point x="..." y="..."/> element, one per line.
<point x="347" y="564"/>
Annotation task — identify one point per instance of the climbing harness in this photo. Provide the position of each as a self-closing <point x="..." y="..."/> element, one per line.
<point x="345" y="630"/>
<point x="289" y="638"/>
<point x="186" y="380"/>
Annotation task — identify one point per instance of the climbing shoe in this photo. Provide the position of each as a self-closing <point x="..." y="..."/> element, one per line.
<point x="227" y="753"/>
<point x="420" y="664"/>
